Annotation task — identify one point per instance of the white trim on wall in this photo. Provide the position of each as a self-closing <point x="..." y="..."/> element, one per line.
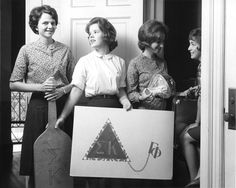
<point x="212" y="148"/>
<point x="154" y="9"/>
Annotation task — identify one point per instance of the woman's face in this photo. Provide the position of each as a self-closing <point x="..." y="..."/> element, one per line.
<point x="96" y="36"/>
<point x="194" y="49"/>
<point x="157" y="46"/>
<point x="46" y="26"/>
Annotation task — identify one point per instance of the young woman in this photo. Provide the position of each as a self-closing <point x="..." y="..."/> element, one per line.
<point x="45" y="68"/>
<point x="148" y="83"/>
<point x="190" y="137"/>
<point x="100" y="74"/>
<point x="148" y="68"/>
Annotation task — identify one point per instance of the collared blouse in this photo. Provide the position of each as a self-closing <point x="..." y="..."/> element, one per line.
<point x="99" y="74"/>
<point x="36" y="62"/>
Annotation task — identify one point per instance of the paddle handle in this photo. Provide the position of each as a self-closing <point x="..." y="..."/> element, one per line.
<point x="52" y="108"/>
<point x="52" y="114"/>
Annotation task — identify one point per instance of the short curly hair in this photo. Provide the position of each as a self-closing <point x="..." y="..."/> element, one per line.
<point x="36" y="14"/>
<point x="147" y="33"/>
<point x="108" y="30"/>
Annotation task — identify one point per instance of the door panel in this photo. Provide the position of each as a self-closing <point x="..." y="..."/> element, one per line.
<point x="230" y="82"/>
<point x="125" y="15"/>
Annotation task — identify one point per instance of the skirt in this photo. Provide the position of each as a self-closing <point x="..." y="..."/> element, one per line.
<point x="195" y="133"/>
<point x="109" y="101"/>
<point x="35" y="123"/>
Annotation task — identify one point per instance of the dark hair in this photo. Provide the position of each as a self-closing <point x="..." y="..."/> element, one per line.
<point x="147" y="33"/>
<point x="36" y="14"/>
<point x="195" y="35"/>
<point x="108" y="30"/>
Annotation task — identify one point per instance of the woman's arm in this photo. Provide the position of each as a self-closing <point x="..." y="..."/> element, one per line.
<point x="124" y="99"/>
<point x="58" y="92"/>
<point x="133" y="82"/>
<point x="74" y="97"/>
<point x="47" y="86"/>
<point x="198" y="116"/>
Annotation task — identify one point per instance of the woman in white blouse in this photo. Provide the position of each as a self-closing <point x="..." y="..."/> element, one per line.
<point x="101" y="75"/>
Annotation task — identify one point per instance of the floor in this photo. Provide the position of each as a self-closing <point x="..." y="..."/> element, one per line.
<point x="10" y="178"/>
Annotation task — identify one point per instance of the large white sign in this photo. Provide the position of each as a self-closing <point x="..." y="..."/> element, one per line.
<point x="111" y="142"/>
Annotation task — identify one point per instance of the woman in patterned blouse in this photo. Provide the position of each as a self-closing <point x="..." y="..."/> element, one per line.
<point x="45" y="68"/>
<point x="144" y="67"/>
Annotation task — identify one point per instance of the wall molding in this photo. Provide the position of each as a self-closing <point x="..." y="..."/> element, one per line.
<point x="212" y="138"/>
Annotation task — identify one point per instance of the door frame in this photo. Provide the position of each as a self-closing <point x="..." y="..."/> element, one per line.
<point x="212" y="100"/>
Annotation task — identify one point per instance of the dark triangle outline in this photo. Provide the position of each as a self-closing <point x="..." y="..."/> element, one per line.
<point x="107" y="123"/>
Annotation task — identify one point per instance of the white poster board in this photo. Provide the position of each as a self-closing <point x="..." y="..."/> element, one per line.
<point x="111" y="142"/>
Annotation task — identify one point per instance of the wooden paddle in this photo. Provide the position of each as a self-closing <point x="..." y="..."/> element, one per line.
<point x="52" y="152"/>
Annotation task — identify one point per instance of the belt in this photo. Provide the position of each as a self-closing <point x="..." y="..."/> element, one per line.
<point x="103" y="97"/>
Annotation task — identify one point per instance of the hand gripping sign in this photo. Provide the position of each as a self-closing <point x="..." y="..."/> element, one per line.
<point x="109" y="142"/>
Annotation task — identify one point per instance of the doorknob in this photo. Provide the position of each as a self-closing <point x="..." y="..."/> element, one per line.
<point x="230" y="115"/>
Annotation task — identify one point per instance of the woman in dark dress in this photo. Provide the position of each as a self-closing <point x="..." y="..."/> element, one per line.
<point x="45" y="68"/>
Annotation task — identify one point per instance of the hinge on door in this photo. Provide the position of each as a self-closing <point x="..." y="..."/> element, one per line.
<point x="230" y="115"/>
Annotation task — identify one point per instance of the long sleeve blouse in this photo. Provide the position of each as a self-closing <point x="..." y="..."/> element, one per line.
<point x="36" y="62"/>
<point x="140" y="71"/>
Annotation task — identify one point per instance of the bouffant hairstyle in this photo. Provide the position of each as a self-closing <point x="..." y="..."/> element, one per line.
<point x="195" y="35"/>
<point x="36" y="14"/>
<point x="147" y="33"/>
<point x="108" y="30"/>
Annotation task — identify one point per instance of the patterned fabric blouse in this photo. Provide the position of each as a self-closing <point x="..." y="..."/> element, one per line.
<point x="140" y="71"/>
<point x="97" y="74"/>
<point x="36" y="62"/>
<point x="195" y="91"/>
<point x="199" y="74"/>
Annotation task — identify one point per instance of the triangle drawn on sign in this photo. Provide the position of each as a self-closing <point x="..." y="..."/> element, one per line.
<point x="107" y="146"/>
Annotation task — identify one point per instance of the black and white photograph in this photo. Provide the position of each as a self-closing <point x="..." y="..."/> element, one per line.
<point x="117" y="94"/>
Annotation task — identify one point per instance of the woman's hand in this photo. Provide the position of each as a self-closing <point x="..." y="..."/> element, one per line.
<point x="160" y="91"/>
<point x="59" y="123"/>
<point x="127" y="105"/>
<point x="189" y="91"/>
<point x="49" y="85"/>
<point x="124" y="99"/>
<point x="54" y="95"/>
<point x="183" y="93"/>
<point x="145" y="94"/>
